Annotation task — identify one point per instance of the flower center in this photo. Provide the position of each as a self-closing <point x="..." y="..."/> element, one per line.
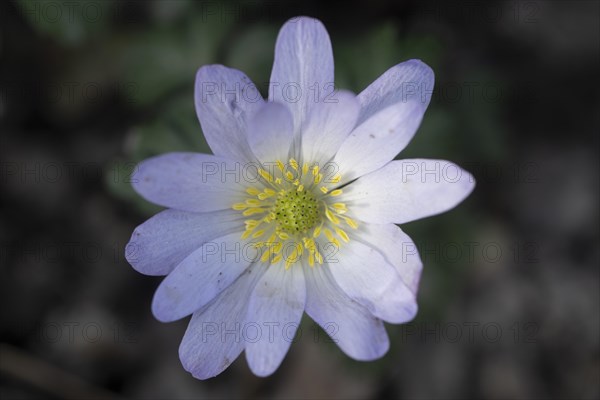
<point x="295" y="207"/>
<point x="296" y="212"/>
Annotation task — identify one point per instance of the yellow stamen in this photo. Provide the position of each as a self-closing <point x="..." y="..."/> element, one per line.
<point x="339" y="206"/>
<point x="330" y="216"/>
<point x="267" y="176"/>
<point x="265" y="256"/>
<point x="305" y="169"/>
<point x="342" y="234"/>
<point x="351" y="223"/>
<point x="328" y="234"/>
<point x="317" y="230"/>
<point x="252" y="191"/>
<point x="292" y="210"/>
<point x="252" y="211"/>
<point x="319" y="257"/>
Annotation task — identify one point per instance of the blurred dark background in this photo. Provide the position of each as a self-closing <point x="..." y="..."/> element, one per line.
<point x="509" y="298"/>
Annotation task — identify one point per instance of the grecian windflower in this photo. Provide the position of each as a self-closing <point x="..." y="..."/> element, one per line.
<point x="295" y="212"/>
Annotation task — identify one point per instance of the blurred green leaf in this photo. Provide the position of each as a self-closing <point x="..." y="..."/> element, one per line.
<point x="167" y="58"/>
<point x="361" y="60"/>
<point x="70" y="23"/>
<point x="175" y="128"/>
<point x="437" y="136"/>
<point x="252" y="52"/>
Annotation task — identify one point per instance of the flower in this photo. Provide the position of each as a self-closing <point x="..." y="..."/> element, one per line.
<point x="295" y="212"/>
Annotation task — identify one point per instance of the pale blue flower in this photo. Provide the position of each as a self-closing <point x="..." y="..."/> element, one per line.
<point x="296" y="210"/>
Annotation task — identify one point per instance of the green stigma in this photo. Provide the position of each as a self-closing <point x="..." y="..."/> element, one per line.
<point x="296" y="211"/>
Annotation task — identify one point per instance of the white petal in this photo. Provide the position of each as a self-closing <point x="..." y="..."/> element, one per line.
<point x="158" y="245"/>
<point x="397" y="248"/>
<point x="302" y="75"/>
<point x="408" y="190"/>
<point x="276" y="308"/>
<point x="270" y="133"/>
<point x="350" y="325"/>
<point x="392" y="108"/>
<point x="378" y="140"/>
<point x="409" y="81"/>
<point x="226" y="99"/>
<point x="328" y="125"/>
<point x="364" y="274"/>
<point x="193" y="182"/>
<point x="215" y="336"/>
<point x="201" y="277"/>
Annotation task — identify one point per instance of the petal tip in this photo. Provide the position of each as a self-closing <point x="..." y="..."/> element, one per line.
<point x="130" y="251"/>
<point x="302" y="19"/>
<point x="162" y="311"/>
<point x="190" y="364"/>
<point x="259" y="366"/>
<point x="468" y="185"/>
